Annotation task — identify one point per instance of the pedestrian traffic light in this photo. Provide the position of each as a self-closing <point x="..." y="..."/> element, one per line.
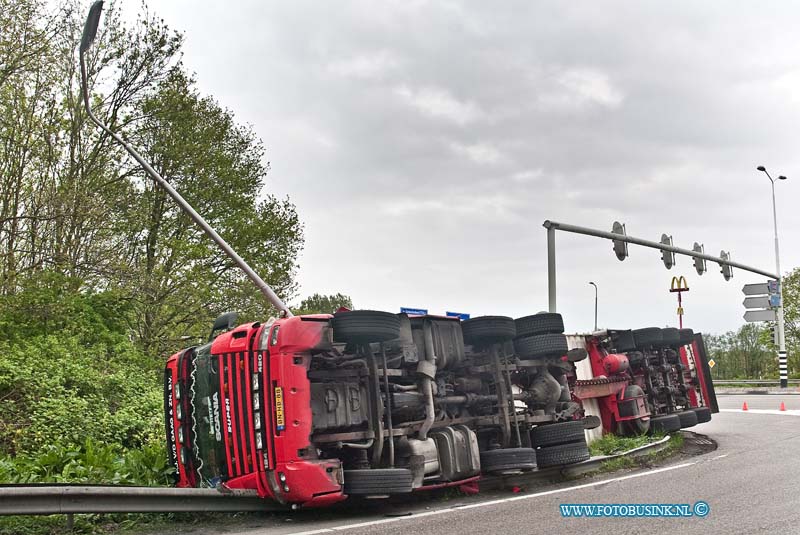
<point x="620" y="247"/>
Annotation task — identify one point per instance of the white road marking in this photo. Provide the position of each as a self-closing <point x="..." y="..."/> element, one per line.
<point x="344" y="527"/>
<point x="764" y="411"/>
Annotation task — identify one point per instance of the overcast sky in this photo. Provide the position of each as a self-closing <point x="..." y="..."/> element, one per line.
<point x="424" y="143"/>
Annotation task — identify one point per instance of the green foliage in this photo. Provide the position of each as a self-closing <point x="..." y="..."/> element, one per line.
<point x="610" y="444"/>
<point x="323" y="304"/>
<point x="91" y="462"/>
<point x="69" y="374"/>
<point x="743" y="354"/>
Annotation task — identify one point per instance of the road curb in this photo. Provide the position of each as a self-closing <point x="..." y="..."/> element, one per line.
<point x="560" y="473"/>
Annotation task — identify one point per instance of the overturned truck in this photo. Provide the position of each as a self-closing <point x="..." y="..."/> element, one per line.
<point x="646" y="380"/>
<point x="309" y="410"/>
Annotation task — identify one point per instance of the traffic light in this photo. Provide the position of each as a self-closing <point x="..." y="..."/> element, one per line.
<point x="727" y="270"/>
<point x="620" y="247"/>
<point x="773" y="333"/>
<point x="699" y="263"/>
<point x="668" y="257"/>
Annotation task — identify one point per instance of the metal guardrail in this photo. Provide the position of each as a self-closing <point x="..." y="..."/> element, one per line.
<point x="78" y="499"/>
<point x="68" y="499"/>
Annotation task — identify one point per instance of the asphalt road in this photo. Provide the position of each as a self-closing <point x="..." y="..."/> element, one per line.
<point x="749" y="482"/>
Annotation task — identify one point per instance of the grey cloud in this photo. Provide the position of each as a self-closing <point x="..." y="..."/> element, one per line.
<point x="425" y="142"/>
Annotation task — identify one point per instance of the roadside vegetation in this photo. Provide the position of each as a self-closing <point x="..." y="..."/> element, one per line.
<point x="612" y="445"/>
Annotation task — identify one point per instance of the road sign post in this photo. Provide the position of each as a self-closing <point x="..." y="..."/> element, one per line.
<point x="765" y="298"/>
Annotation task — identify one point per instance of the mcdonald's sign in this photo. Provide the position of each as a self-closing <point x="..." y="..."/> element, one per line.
<point x="679" y="284"/>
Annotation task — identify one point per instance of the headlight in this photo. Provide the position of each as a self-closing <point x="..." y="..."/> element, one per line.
<point x="259" y="442"/>
<point x="180" y="435"/>
<point x="256" y="403"/>
<point x="257" y="421"/>
<point x="178" y="411"/>
<point x="255" y="381"/>
<point x="184" y="456"/>
<point x="177" y="391"/>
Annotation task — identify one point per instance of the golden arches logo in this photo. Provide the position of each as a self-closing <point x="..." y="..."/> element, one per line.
<point x="679" y="284"/>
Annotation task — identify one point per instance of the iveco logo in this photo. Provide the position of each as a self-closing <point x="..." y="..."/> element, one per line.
<point x="215" y="418"/>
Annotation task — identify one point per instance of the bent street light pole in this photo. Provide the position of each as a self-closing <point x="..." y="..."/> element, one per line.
<point x="783" y="367"/>
<point x="89" y="33"/>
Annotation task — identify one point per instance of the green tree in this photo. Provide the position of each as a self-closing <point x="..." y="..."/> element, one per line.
<point x="742" y="354"/>
<point x="323" y="304"/>
<point x="180" y="280"/>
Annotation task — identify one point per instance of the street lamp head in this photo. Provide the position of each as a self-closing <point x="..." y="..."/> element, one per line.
<point x="761" y="168"/>
<point x="781" y="177"/>
<point x="90" y="29"/>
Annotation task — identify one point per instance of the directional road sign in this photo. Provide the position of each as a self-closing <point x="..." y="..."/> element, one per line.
<point x="755" y="289"/>
<point x="759" y="315"/>
<point x="756" y="301"/>
<point x="459" y="315"/>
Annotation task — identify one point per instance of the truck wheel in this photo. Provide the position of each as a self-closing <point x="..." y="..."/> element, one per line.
<point x="670" y="337"/>
<point x="379" y="481"/>
<point x="635" y="427"/>
<point x="622" y="341"/>
<point x="575" y="452"/>
<point x="687" y="418"/>
<point x="365" y="326"/>
<point x="667" y="423"/>
<point x="541" y="323"/>
<point x="703" y="414"/>
<point x="646" y="338"/>
<point x="541" y="346"/>
<point x="686" y="336"/>
<point x="557" y="433"/>
<point x="488" y="330"/>
<point x="508" y="460"/>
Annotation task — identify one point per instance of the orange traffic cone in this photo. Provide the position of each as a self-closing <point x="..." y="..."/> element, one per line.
<point x="744" y="406"/>
<point x="783" y="406"/>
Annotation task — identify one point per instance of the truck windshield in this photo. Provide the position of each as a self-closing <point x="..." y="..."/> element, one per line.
<point x="206" y="424"/>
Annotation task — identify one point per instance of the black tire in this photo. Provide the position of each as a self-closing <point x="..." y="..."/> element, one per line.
<point x="634" y="427"/>
<point x="488" y="330"/>
<point x="647" y="338"/>
<point x="670" y="337"/>
<point x="557" y="433"/>
<point x="668" y="423"/>
<point x="703" y="414"/>
<point x="629" y="408"/>
<point x="541" y="347"/>
<point x="575" y="452"/>
<point x="577" y="354"/>
<point x="541" y="323"/>
<point x="686" y="336"/>
<point x="378" y="482"/>
<point x="688" y="418"/>
<point x="622" y="341"/>
<point x="508" y="460"/>
<point x="365" y="326"/>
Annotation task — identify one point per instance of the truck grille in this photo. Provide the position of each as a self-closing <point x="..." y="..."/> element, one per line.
<point x="236" y="371"/>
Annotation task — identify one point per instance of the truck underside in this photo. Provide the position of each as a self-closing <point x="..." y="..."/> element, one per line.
<point x="309" y="410"/>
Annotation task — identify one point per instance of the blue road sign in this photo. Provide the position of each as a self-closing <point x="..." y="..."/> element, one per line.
<point x="414" y="311"/>
<point x="459" y="315"/>
<point x="773" y="287"/>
